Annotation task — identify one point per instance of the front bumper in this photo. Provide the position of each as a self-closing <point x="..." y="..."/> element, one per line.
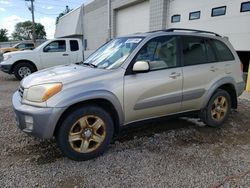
<point x="36" y="121"/>
<point x="5" y="68"/>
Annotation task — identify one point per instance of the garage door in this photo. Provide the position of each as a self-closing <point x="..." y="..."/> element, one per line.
<point x="133" y="19"/>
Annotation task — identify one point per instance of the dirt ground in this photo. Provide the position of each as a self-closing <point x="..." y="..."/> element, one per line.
<point x="180" y="152"/>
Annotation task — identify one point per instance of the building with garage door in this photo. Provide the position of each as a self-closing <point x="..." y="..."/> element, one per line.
<point x="100" y="20"/>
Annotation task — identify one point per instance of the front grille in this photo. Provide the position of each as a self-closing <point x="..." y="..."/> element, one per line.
<point x="20" y="91"/>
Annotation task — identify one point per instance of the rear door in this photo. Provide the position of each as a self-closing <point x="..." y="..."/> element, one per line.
<point x="55" y="53"/>
<point x="159" y="91"/>
<point x="200" y="68"/>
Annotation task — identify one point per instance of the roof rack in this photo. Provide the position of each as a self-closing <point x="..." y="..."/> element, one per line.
<point x="193" y="30"/>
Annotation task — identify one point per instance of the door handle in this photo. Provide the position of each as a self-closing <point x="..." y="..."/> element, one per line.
<point x="213" y="69"/>
<point x="65" y="54"/>
<point x="174" y="75"/>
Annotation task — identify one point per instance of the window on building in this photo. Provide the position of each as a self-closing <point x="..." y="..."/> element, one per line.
<point x="160" y="53"/>
<point x="194" y="15"/>
<point x="223" y="53"/>
<point x="219" y="11"/>
<point x="74" y="45"/>
<point x="176" y="18"/>
<point x="245" y="7"/>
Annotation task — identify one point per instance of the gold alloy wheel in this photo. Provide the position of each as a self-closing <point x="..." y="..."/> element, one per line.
<point x="219" y="108"/>
<point x="87" y="134"/>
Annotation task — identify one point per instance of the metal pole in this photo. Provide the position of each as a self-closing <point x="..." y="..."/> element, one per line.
<point x="33" y="22"/>
<point x="109" y="19"/>
<point x="248" y="79"/>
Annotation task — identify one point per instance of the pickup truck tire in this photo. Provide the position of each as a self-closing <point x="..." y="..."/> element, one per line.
<point x="23" y="69"/>
<point x="218" y="109"/>
<point x="85" y="133"/>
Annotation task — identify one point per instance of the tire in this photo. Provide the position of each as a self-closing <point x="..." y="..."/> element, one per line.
<point x="218" y="109"/>
<point x="23" y="69"/>
<point x="88" y="141"/>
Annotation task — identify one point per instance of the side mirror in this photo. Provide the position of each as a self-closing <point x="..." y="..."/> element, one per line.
<point x="46" y="49"/>
<point x="141" y="66"/>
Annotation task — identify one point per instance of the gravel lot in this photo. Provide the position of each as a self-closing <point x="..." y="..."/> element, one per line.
<point x="175" y="153"/>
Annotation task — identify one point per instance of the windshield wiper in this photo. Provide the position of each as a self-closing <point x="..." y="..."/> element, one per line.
<point x="88" y="64"/>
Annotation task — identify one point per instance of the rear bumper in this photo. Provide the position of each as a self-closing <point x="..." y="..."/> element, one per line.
<point x="240" y="87"/>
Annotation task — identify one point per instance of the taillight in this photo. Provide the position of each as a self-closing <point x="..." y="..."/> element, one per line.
<point x="241" y="67"/>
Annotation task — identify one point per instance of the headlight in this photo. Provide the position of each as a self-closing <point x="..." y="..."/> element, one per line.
<point x="6" y="57"/>
<point x="41" y="93"/>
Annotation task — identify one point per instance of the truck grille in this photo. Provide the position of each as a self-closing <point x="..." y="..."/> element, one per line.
<point x="20" y="91"/>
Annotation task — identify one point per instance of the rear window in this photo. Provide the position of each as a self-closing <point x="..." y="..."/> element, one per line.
<point x="74" y="45"/>
<point x="223" y="53"/>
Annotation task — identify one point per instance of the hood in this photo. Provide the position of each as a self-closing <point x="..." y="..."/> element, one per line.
<point x="65" y="74"/>
<point x="7" y="48"/>
<point x="24" y="52"/>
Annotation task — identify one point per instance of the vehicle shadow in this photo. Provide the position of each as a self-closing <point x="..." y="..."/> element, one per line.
<point x="149" y="129"/>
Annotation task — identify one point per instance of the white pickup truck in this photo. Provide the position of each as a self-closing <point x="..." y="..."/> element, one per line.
<point x="60" y="51"/>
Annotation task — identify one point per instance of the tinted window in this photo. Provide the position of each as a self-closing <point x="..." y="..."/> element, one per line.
<point x="194" y="51"/>
<point x="245" y="6"/>
<point x="211" y="57"/>
<point x="219" y="11"/>
<point x="20" y="46"/>
<point x="194" y="15"/>
<point x="29" y="45"/>
<point x="222" y="51"/>
<point x="56" y="46"/>
<point x="74" y="45"/>
<point x="176" y="18"/>
<point x="159" y="52"/>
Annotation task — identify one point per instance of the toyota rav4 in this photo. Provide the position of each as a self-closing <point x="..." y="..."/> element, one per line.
<point x="130" y="79"/>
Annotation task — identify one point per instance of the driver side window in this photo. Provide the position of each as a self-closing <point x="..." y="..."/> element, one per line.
<point x="160" y="52"/>
<point x="56" y="46"/>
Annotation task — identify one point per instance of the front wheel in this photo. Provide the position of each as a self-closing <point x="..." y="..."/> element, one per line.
<point x="22" y="70"/>
<point x="85" y="133"/>
<point x="218" y="109"/>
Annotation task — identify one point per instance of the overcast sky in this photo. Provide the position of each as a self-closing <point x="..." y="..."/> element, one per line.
<point x="46" y="11"/>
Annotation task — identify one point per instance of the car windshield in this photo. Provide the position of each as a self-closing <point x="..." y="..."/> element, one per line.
<point x="113" y="54"/>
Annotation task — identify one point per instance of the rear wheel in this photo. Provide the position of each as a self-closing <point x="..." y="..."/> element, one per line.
<point x="85" y="133"/>
<point x="23" y="69"/>
<point x="218" y="109"/>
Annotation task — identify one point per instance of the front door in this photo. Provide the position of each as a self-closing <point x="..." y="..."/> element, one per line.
<point x="159" y="91"/>
<point x="55" y="53"/>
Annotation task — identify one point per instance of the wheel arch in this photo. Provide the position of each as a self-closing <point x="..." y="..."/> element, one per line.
<point x="227" y="84"/>
<point x="22" y="61"/>
<point x="100" y="102"/>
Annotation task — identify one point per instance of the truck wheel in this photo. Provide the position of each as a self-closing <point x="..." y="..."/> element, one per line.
<point x="218" y="109"/>
<point x="85" y="133"/>
<point x="22" y="70"/>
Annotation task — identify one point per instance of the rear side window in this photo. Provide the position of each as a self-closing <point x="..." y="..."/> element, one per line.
<point x="194" y="51"/>
<point x="74" y="45"/>
<point x="29" y="45"/>
<point x="223" y="53"/>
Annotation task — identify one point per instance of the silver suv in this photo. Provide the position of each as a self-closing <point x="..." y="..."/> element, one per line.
<point x="130" y="79"/>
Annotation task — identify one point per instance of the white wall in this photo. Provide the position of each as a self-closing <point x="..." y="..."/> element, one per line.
<point x="235" y="24"/>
